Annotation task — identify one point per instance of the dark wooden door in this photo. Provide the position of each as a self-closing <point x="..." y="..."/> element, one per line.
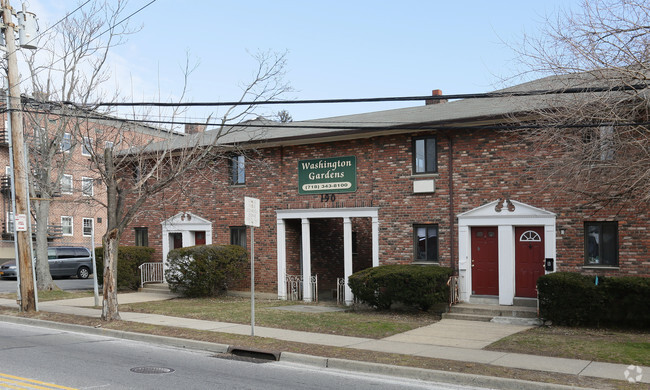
<point x="485" y="261"/>
<point x="177" y="240"/>
<point x="529" y="260"/>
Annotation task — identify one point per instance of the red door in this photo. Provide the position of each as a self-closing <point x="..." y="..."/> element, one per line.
<point x="199" y="238"/>
<point x="485" y="261"/>
<point x="529" y="260"/>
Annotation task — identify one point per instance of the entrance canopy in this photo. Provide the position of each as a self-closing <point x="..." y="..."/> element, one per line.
<point x="504" y="215"/>
<point x="305" y="215"/>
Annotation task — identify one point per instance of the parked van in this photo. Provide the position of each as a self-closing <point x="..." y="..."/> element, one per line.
<point x="64" y="261"/>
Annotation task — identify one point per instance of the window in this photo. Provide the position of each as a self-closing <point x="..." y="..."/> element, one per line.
<point x="108" y="145"/>
<point x="238" y="235"/>
<point x="425" y="242"/>
<point x="601" y="244"/>
<point x="237" y="170"/>
<point x="141" y="236"/>
<point x="66" y="226"/>
<point x="87" y="186"/>
<point x="87" y="146"/>
<point x="66" y="184"/>
<point x="424" y="155"/>
<point x="66" y="142"/>
<point x="88" y="227"/>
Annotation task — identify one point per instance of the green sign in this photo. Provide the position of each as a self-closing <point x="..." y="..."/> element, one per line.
<point x="327" y="175"/>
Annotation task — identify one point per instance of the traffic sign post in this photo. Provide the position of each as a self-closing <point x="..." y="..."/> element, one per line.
<point x="252" y="219"/>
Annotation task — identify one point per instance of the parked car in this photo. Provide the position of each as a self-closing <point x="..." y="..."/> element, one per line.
<point x="64" y="261"/>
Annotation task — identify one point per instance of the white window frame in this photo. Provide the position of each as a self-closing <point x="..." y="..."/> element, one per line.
<point x="92" y="223"/>
<point x="109" y="145"/>
<point x="66" y="146"/>
<point x="63" y="226"/>
<point x="87" y="146"/>
<point x="87" y="183"/>
<point x="65" y="177"/>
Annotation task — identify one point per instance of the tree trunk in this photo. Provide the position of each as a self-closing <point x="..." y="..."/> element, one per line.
<point x="43" y="276"/>
<point x="111" y="242"/>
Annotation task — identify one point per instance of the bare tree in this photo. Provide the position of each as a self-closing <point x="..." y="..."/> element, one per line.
<point x="600" y="140"/>
<point x="284" y="116"/>
<point x="145" y="166"/>
<point x="70" y="64"/>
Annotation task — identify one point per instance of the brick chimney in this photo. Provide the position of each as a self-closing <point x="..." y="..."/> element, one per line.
<point x="435" y="92"/>
<point x="194" y="128"/>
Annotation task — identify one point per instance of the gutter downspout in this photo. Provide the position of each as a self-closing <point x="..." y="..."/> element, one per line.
<point x="452" y="222"/>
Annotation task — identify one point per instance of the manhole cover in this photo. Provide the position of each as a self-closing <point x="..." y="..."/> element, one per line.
<point x="152" y="370"/>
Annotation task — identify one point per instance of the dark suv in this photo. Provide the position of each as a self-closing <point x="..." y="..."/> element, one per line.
<point x="64" y="261"/>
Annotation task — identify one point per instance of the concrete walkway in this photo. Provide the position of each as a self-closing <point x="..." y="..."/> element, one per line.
<point x="447" y="339"/>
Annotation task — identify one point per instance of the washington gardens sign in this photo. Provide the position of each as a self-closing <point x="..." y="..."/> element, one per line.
<point x="327" y="175"/>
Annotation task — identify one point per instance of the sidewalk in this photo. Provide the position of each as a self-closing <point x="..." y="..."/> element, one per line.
<point x="447" y="339"/>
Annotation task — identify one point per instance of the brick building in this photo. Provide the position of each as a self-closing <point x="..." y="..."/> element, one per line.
<point x="79" y="194"/>
<point x="434" y="185"/>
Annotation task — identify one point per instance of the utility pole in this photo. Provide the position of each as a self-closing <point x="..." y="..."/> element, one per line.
<point x="19" y="174"/>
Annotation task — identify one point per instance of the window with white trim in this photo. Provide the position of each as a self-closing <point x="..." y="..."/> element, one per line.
<point x="530" y="236"/>
<point x="66" y="184"/>
<point x="66" y="142"/>
<point x="87" y="186"/>
<point x="88" y="227"/>
<point x="66" y="226"/>
<point x="87" y="146"/>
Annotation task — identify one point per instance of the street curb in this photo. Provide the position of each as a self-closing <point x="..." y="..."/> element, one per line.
<point x="309" y="360"/>
<point x="120" y="334"/>
<point x="455" y="378"/>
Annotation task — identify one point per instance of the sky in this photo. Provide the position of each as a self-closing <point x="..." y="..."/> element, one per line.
<point x="334" y="49"/>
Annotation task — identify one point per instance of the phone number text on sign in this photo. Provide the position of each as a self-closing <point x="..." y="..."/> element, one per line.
<point x="326" y="186"/>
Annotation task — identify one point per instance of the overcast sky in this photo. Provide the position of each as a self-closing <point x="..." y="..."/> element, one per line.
<point x="336" y="49"/>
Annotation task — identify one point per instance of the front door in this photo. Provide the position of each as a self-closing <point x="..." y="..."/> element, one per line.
<point x="199" y="238"/>
<point x="529" y="260"/>
<point x="176" y="240"/>
<point x="485" y="261"/>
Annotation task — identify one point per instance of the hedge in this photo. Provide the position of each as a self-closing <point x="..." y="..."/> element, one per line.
<point x="576" y="300"/>
<point x="129" y="258"/>
<point x="412" y="285"/>
<point x="205" y="270"/>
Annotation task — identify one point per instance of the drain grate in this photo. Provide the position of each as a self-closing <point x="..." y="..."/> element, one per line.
<point x="152" y="370"/>
<point x="249" y="359"/>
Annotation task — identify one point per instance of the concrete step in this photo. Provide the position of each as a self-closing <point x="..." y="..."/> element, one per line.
<point x="495" y="310"/>
<point x="467" y="317"/>
<point x="157" y="288"/>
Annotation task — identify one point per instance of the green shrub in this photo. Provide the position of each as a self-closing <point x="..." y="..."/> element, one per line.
<point x="574" y="299"/>
<point x="568" y="298"/>
<point x="626" y="301"/>
<point x="413" y="285"/>
<point x="205" y="270"/>
<point x="129" y="258"/>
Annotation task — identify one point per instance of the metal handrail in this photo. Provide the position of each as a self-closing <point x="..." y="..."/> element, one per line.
<point x="295" y="287"/>
<point x="151" y="273"/>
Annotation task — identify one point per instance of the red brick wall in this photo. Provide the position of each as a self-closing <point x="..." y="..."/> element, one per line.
<point x="487" y="165"/>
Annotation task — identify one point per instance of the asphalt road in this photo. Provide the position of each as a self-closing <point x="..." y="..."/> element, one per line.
<point x="9" y="285"/>
<point x="35" y="357"/>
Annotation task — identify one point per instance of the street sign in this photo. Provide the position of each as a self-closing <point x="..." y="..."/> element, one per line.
<point x="252" y="212"/>
<point x="21" y="223"/>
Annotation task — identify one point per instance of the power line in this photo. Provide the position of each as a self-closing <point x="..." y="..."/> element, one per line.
<point x="374" y="126"/>
<point x="485" y="95"/>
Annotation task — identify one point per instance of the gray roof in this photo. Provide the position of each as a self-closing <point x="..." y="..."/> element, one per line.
<point x="465" y="113"/>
